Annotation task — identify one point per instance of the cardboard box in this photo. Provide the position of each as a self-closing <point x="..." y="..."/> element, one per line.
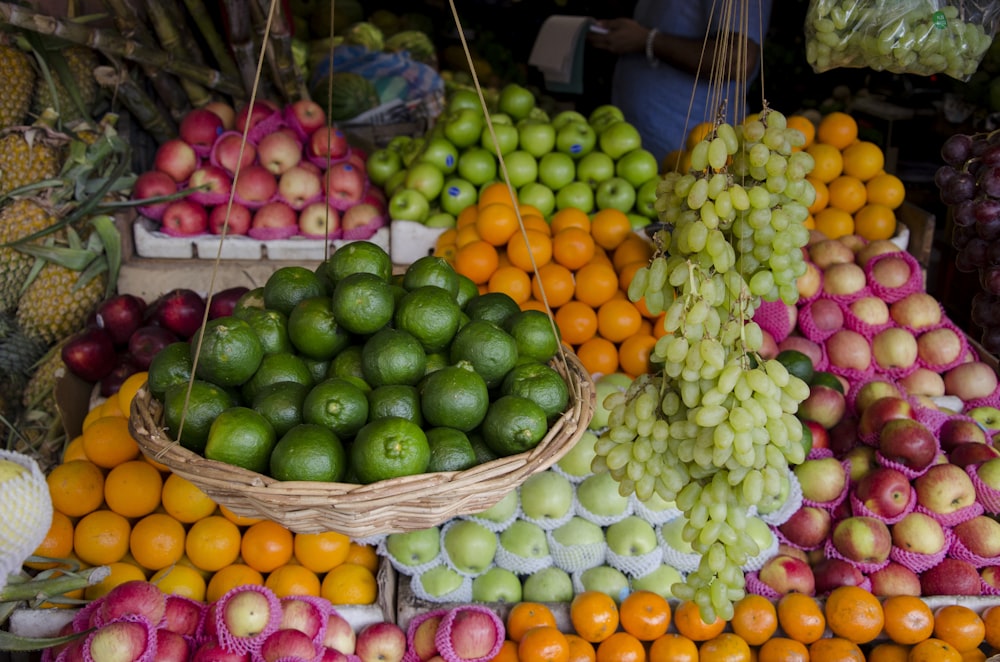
<point x="920" y="224"/>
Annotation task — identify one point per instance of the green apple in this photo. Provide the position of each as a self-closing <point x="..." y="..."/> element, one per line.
<point x="638" y="221"/>
<point x="761" y="533"/>
<point x="578" y="531"/>
<point x="564" y="117"/>
<point x="470" y="546"/>
<point x="497" y="585"/>
<point x="395" y="182"/>
<point x="618" y="139"/>
<point x="399" y="143"/>
<point x="546" y="495"/>
<point x="988" y="417"/>
<point x="463" y="127"/>
<point x="515" y="100"/>
<point x="631" y="536"/>
<point x="440" y="219"/>
<point x="425" y="177"/>
<point x="598" y="494"/>
<point x="522" y="168"/>
<point x="502" y="510"/>
<point x="615" y="193"/>
<point x="604" y="386"/>
<point x="477" y="165"/>
<point x="604" y="116"/>
<point x="414" y="548"/>
<point x="411" y="150"/>
<point x="576" y="462"/>
<point x="461" y="98"/>
<point x="556" y="170"/>
<point x="383" y="164"/>
<point x="658" y="581"/>
<point x="457" y="194"/>
<point x="673" y="535"/>
<point x="607" y="580"/>
<point x="645" y="198"/>
<point x="575" y="138"/>
<point x="539" y="196"/>
<point x="442" y="153"/>
<point x="658" y="506"/>
<point x="536" y="137"/>
<point x="594" y="168"/>
<point x="550" y="584"/>
<point x="575" y="194"/>
<point x="501" y="119"/>
<point x="637" y="167"/>
<point x="439" y="581"/>
<point x="770" y="504"/>
<point x="525" y="539"/>
<point x="540" y="114"/>
<point x="506" y="137"/>
<point x="407" y="204"/>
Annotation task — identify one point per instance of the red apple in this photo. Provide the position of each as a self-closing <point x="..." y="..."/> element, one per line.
<point x="787" y="574"/>
<point x="972" y="453"/>
<point x="171" y="647"/>
<point x="980" y="535"/>
<point x="328" y="142"/>
<point x="826" y="314"/>
<point x="119" y="640"/>
<point x="184" y="218"/>
<point x="212" y="651"/>
<point x="345" y="183"/>
<point x="862" y="539"/>
<point x="917" y="311"/>
<point x="820" y="437"/>
<point x="180" y="310"/>
<point x="213" y="184"/>
<point x="970" y="381"/>
<point x="884" y="491"/>
<point x="873" y="249"/>
<point x="183" y="615"/>
<point x="339" y="634"/>
<point x="804" y="345"/>
<point x="945" y="488"/>
<point x="381" y="642"/>
<point x="89" y="354"/>
<point x="828" y="252"/>
<point x="844" y="435"/>
<point x="474" y="632"/>
<point x="176" y="158"/>
<point x="230" y="153"/>
<point x="831" y="573"/>
<point x="279" y="151"/>
<point x="424" y="637"/>
<point x="809" y="283"/>
<point x="199" y="128"/>
<point x="299" y="186"/>
<point x="250" y="116"/>
<point x="940" y="347"/>
<point x="844" y="279"/>
<point x="991" y="575"/>
<point x="870" y="310"/>
<point x="808" y="527"/>
<point x="305" y="116"/>
<point x="274" y="215"/>
<point x="894" y="348"/>
<point x="822" y="479"/>
<point x="880" y="412"/>
<point x="240" y="218"/>
<point x="908" y="442"/>
<point x="860" y="461"/>
<point x="153" y="184"/>
<point x="923" y="381"/>
<point x="919" y="533"/>
<point x="960" y="430"/>
<point x="824" y="405"/>
<point x="255" y="184"/>
<point x="895" y="579"/>
<point x="287" y="643"/>
<point x="359" y="215"/>
<point x="891" y="270"/>
<point x="849" y="350"/>
<point x="872" y="390"/>
<point x="147" y="342"/>
<point x="768" y="347"/>
<point x="120" y="315"/>
<point x="225" y="112"/>
<point x="319" y="220"/>
<point x="134" y="598"/>
<point x="223" y="303"/>
<point x="951" y="577"/>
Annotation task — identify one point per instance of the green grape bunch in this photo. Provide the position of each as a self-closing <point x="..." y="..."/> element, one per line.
<point x="713" y="427"/>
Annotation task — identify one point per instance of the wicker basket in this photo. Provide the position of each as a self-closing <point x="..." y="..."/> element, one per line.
<point x="360" y="511"/>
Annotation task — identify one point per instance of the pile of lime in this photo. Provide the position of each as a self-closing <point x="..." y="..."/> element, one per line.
<point x="349" y="373"/>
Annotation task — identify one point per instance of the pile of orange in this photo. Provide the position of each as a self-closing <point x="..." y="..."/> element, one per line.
<point x="851" y="624"/>
<point x="854" y="194"/>
<point x="115" y="507"/>
<point x="574" y="265"/>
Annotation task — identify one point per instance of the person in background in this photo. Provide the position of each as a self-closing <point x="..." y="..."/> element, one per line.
<point x="665" y="63"/>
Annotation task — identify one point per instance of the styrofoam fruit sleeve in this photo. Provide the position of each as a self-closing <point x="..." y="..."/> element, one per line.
<point x="932" y="418"/>
<point x="755" y="586"/>
<point x="918" y="562"/>
<point x="575" y="480"/>
<point x="148" y="655"/>
<point x="792" y="503"/>
<point x="859" y="509"/>
<point x="443" y="636"/>
<point x="988" y="496"/>
<point x="405" y="568"/>
<point x="87" y="616"/>
<point x="756" y="562"/>
<point x="576" y="558"/>
<point x="266" y="126"/>
<point x="601" y="520"/>
<point x="909" y="472"/>
<point x="577" y="579"/>
<point x="373" y="541"/>
<point x="244" y="645"/>
<point x="846" y="299"/>
<point x="550" y="523"/>
<point x="447" y="559"/>
<point x="959" y="551"/>
<point x="23" y="531"/>
<point x="461" y="594"/>
<point x="415" y="622"/>
<point x="521" y="565"/>
<point x="832" y="552"/>
<point x="893" y="294"/>
<point x="819" y="454"/>
<point x="497" y="527"/>
<point x="854" y="375"/>
<point x="651" y="515"/>
<point x="684" y="562"/>
<point x="636" y="566"/>
<point x="974" y="509"/>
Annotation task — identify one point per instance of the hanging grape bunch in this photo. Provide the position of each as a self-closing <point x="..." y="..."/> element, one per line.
<point x="969" y="184"/>
<point x="714" y="428"/>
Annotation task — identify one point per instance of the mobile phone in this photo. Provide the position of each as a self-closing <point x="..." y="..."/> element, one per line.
<point x="598" y="29"/>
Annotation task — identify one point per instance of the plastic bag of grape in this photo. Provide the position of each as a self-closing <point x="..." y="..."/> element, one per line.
<point x="921" y="37"/>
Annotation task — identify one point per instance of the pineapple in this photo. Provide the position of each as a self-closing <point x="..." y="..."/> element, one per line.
<point x="19" y="80"/>
<point x="18" y="355"/>
<point x="58" y="301"/>
<point x="18" y="219"/>
<point x="30" y="154"/>
<point x="80" y="63"/>
<point x="40" y="430"/>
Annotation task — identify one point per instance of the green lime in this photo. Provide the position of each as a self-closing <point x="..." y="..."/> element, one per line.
<point x="230" y="352"/>
<point x="392" y="356"/>
<point x="455" y="396"/>
<point x="318" y="368"/>
<point x="400" y="400"/>
<point x="389" y="448"/>
<point x="171" y="365"/>
<point x="398" y="292"/>
<point x="191" y="426"/>
<point x="493" y="307"/>
<point x="241" y="437"/>
<point x="289" y="285"/>
<point x="250" y="300"/>
<point x="274" y="368"/>
<point x="807" y="439"/>
<point x="535" y="333"/>
<point x="513" y="425"/>
<point x="450" y="450"/>
<point x="357" y="257"/>
<point x="271" y="327"/>
<point x="430" y="314"/>
<point x="362" y="303"/>
<point x="821" y="378"/>
<point x="359" y="382"/>
<point x="338" y="404"/>
<point x="281" y="404"/>
<point x="347" y="363"/>
<point x="435" y="361"/>
<point x="467" y="290"/>
<point x="797" y="363"/>
<point x="491" y="350"/>
<point x="431" y="270"/>
<point x="308" y="452"/>
<point x="313" y="329"/>
<point x="483" y="452"/>
<point x="539" y="383"/>
<point x="324" y="278"/>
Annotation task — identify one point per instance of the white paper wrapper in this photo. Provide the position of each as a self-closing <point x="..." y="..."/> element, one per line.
<point x="576" y="558"/>
<point x="601" y="520"/>
<point x="520" y="565"/>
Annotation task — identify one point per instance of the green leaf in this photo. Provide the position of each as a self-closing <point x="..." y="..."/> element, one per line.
<point x="112" y="239"/>
<point x="12" y="642"/>
<point x="75" y="259"/>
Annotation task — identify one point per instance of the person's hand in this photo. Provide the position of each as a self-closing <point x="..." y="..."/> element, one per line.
<point x="623" y="35"/>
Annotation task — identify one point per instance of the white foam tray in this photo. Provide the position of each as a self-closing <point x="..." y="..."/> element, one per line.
<point x="411" y="241"/>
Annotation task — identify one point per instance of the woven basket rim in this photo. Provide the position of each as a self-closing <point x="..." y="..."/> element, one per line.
<point x="363" y="510"/>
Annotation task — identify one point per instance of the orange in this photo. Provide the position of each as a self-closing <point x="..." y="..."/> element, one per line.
<point x="754" y="619"/>
<point x="863" y="160"/>
<point x="529" y="250"/>
<point x="363" y="555"/>
<point x="726" y="647"/>
<point x="960" y="626"/>
<point x="107" y="442"/>
<point x="621" y="647"/>
<point x="577" y="322"/>
<point x="92" y="415"/>
<point x="580" y="650"/>
<point x="180" y="580"/>
<point x="157" y="541"/>
<point x="934" y="650"/>
<point x="477" y="260"/>
<point x="76" y="487"/>
<point x="101" y="537"/>
<point x="557" y="283"/>
<point x="886" y="189"/>
<point x="610" y="227"/>
<point x="627" y="273"/>
<point x="847" y="193"/>
<point x="672" y="161"/>
<point x="129" y="388"/>
<point x="212" y="543"/>
<point x="875" y="221"/>
<point x="184" y="500"/>
<point x="835" y="649"/>
<point x="266" y="545"/>
<point x="349" y="584"/>
<point x="908" y="619"/>
<point x="466" y="235"/>
<point x="804" y="126"/>
<point x="544" y="643"/>
<point x="634" y="353"/>
<point x="854" y="614"/>
<point x="809" y="223"/>
<point x="782" y="649"/>
<point x="618" y="319"/>
<point x="446" y="251"/>
<point x="633" y="249"/>
<point x="293" y="579"/>
<point x="598" y="355"/>
<point x="526" y="615"/>
<point x="975" y="655"/>
<point x="889" y="652"/>
<point x="512" y="281"/>
<point x="230" y="577"/>
<point x="111" y="408"/>
<point x="496" y="223"/>
<point x="801" y="618"/>
<point x="569" y="217"/>
<point x="57" y="544"/>
<point x="508" y="652"/>
<point x="535" y="222"/>
<point x="74" y="450"/>
<point x="645" y="615"/>
<point x="834" y="223"/>
<point x="497" y="192"/>
<point x="673" y="647"/>
<point x="533" y="304"/>
<point x="837" y="129"/>
<point x="828" y="162"/>
<point x="594" y="615"/>
<point x="321" y="552"/>
<point x="596" y="283"/>
<point x="238" y="520"/>
<point x="133" y="488"/>
<point x="822" y="195"/>
<point x="688" y="621"/>
<point x="159" y="466"/>
<point x="572" y="247"/>
<point x="120" y="572"/>
<point x="466" y="217"/>
<point x="991" y="621"/>
<point x="697" y="134"/>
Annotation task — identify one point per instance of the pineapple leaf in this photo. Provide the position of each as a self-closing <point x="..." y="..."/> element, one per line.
<point x="11" y="642"/>
<point x="105" y="228"/>
<point x="75" y="259"/>
<point x="93" y="270"/>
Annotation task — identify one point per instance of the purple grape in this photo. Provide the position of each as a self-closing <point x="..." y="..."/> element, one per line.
<point x="991" y="157"/>
<point x="957" y="149"/>
<point x="990" y="340"/>
<point x="961" y="187"/>
<point x="963" y="213"/>
<point x="990" y="280"/>
<point x="961" y="236"/>
<point x="988" y="229"/>
<point x="993" y="254"/>
<point x="977" y="252"/>
<point x="979" y="145"/>
<point x="943" y="175"/>
<point x="988" y="180"/>
<point x="985" y="309"/>
<point x="962" y="263"/>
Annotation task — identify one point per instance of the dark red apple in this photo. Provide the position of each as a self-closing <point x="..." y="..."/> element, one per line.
<point x="90" y="354"/>
<point x="959" y="430"/>
<point x="895" y="579"/>
<point x="884" y="409"/>
<point x="223" y="303"/>
<point x="124" y="368"/>
<point x="807" y="527"/>
<point x="120" y="316"/>
<point x="181" y="311"/>
<point x="884" y="491"/>
<point x="972" y="452"/>
<point x="951" y="577"/>
<point x="907" y="441"/>
<point x="844" y="435"/>
<point x="212" y="651"/>
<point x="147" y="342"/>
<point x="831" y="573"/>
<point x="820" y="435"/>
